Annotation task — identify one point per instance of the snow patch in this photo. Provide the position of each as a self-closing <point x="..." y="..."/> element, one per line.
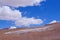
<point x="29" y="30"/>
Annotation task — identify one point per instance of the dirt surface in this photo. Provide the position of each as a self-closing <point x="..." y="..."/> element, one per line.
<point x="53" y="34"/>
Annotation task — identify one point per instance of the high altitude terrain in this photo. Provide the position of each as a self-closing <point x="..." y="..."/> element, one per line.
<point x="47" y="32"/>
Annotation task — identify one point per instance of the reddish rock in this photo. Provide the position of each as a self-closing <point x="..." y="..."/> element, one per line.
<point x="53" y="34"/>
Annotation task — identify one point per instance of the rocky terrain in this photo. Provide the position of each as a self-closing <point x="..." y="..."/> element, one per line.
<point x="47" y="32"/>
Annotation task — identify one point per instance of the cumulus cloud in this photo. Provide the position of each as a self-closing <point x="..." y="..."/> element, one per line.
<point x="6" y="13"/>
<point x="54" y="21"/>
<point x="28" y="21"/>
<point x="22" y="3"/>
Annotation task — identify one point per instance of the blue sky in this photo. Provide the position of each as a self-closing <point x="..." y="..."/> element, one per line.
<point x="47" y="11"/>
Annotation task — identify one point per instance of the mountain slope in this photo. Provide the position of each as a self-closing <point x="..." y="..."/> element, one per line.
<point x="47" y="32"/>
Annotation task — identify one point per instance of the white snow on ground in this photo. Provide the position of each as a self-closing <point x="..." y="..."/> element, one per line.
<point x="29" y="30"/>
<point x="12" y="27"/>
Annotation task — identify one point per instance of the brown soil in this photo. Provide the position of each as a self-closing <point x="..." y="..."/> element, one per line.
<point x="44" y="35"/>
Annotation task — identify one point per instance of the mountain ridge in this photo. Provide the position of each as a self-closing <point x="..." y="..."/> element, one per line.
<point x="47" y="32"/>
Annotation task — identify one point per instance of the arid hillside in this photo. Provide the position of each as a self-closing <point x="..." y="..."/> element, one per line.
<point x="47" y="32"/>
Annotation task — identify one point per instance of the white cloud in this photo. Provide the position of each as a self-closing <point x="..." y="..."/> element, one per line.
<point x="6" y="13"/>
<point x="28" y="21"/>
<point x="54" y="21"/>
<point x="22" y="3"/>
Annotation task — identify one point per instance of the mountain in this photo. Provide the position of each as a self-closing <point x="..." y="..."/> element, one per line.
<point x="46" y="32"/>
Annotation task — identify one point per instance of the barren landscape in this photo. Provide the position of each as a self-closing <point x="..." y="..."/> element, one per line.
<point x="47" y="32"/>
